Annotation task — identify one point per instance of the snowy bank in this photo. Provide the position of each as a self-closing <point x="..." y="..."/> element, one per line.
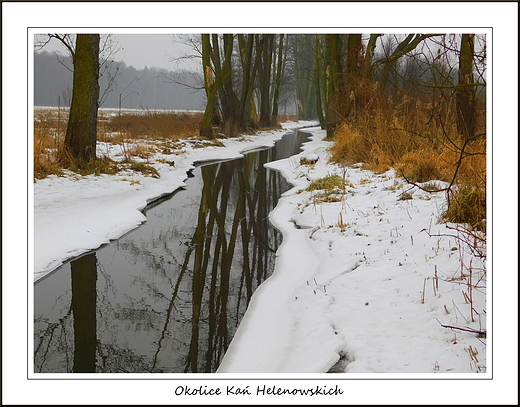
<point x="364" y="281"/>
<point x="74" y="214"/>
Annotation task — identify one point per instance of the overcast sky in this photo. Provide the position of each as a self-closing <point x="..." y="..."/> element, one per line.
<point x="156" y="50"/>
<point x="139" y="50"/>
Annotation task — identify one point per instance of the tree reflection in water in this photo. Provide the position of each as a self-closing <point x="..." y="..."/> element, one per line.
<point x="167" y="297"/>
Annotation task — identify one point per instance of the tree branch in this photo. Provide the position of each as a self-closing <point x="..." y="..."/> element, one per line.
<point x="481" y="334"/>
<point x="405" y="46"/>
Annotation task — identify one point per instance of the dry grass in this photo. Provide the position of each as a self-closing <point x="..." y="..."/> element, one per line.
<point x="467" y="205"/>
<point x="156" y="125"/>
<point x="145" y="169"/>
<point x="49" y="133"/>
<point x="139" y="134"/>
<point x="287" y="118"/>
<point x="328" y="183"/>
<point x="419" y="138"/>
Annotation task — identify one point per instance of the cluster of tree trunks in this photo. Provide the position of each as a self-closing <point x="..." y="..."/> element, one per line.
<point x="244" y="74"/>
<point x="330" y="84"/>
<point x="230" y="88"/>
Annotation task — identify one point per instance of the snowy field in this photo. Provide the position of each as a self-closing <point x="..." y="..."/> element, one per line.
<point x="365" y="281"/>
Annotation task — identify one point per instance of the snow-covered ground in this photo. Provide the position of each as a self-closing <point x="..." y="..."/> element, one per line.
<point x="74" y="214"/>
<point x="365" y="282"/>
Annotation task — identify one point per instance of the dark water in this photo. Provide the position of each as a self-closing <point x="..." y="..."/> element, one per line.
<point x="168" y="296"/>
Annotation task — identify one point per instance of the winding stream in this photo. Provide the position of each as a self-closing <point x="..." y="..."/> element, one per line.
<point x="168" y="296"/>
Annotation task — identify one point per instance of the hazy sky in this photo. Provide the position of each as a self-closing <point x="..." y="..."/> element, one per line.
<point x="139" y="50"/>
<point x="157" y="50"/>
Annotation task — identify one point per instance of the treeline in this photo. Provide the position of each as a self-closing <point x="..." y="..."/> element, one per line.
<point x="348" y="73"/>
<point x="120" y="85"/>
<point x="248" y="80"/>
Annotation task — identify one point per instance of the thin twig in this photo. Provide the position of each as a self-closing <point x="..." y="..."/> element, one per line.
<point x="481" y="334"/>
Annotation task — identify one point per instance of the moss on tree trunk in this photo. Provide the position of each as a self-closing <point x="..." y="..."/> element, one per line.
<point x="81" y="136"/>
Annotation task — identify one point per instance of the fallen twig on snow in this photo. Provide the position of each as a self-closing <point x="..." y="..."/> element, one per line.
<point x="481" y="334"/>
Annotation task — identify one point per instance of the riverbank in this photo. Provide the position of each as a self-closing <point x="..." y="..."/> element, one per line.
<point x="74" y="214"/>
<point x="366" y="281"/>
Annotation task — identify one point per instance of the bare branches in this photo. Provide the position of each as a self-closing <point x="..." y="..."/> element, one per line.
<point x="404" y="47"/>
<point x="108" y="48"/>
<point x="67" y="40"/>
<point x="180" y="78"/>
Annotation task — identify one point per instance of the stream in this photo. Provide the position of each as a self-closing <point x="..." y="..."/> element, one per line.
<point x="168" y="296"/>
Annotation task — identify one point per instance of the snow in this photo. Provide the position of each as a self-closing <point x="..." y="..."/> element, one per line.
<point x="363" y="280"/>
<point x="74" y="214"/>
<point x="355" y="282"/>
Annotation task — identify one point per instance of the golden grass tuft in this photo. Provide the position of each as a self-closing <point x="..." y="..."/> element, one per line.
<point x="424" y="165"/>
<point x="328" y="183"/>
<point x="350" y="146"/>
<point x="145" y="169"/>
<point x="467" y="205"/>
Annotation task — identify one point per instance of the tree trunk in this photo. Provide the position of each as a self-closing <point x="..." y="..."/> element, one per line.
<point x="318" y="57"/>
<point x="332" y="70"/>
<point x="354" y="55"/>
<point x="224" y="75"/>
<point x="466" y="91"/>
<point x="211" y="87"/>
<point x="81" y="136"/>
<point x="278" y="80"/>
<point x="265" y="46"/>
<point x="246" y="119"/>
<point x="230" y="100"/>
<point x="303" y="66"/>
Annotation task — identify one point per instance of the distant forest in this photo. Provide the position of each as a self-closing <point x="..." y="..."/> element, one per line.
<point x="147" y="88"/>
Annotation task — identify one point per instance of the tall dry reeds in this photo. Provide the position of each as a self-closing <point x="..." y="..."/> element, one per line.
<point x="418" y="137"/>
<point x="126" y="129"/>
<point x="49" y="133"/>
<point x="150" y="124"/>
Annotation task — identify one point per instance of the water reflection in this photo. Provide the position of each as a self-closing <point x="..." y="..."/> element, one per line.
<point x="168" y="296"/>
<point x="84" y="276"/>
